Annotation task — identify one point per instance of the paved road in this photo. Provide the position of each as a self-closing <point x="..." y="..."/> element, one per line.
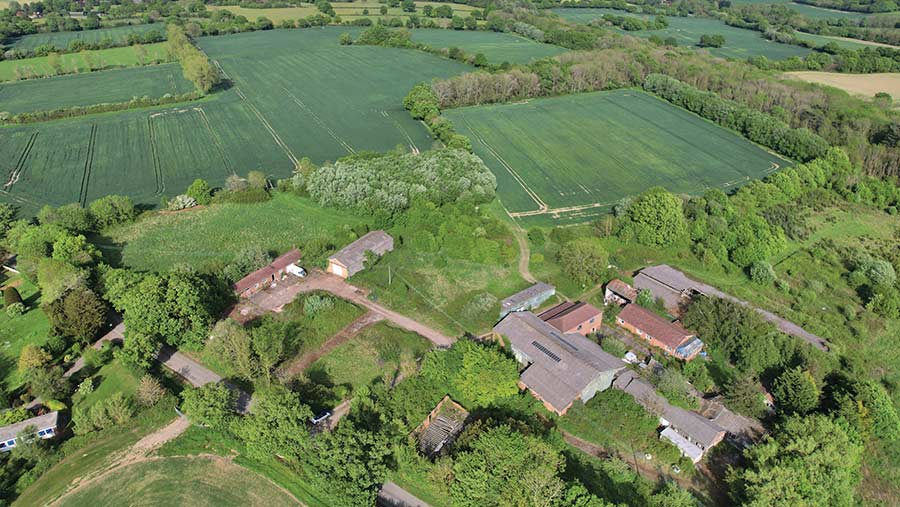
<point x="274" y="298"/>
<point x="392" y="495"/>
<point x="116" y="334"/>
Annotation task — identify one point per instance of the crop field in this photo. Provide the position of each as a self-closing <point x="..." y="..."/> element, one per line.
<point x="866" y="85"/>
<point x="62" y="39"/>
<point x="129" y="56"/>
<point x="497" y="47"/>
<point x="809" y="11"/>
<point x="568" y="158"/>
<point x="739" y="42"/>
<point x="196" y="481"/>
<point x="346" y="10"/>
<point x="323" y="100"/>
<point x="295" y="93"/>
<point x="116" y="85"/>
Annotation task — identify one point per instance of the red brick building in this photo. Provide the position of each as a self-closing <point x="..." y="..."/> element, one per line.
<point x="672" y="337"/>
<point x="574" y="317"/>
<point x="263" y="277"/>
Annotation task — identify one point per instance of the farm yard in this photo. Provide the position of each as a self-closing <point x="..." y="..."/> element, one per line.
<point x="85" y="61"/>
<point x="116" y="85"/>
<point x="497" y="47"/>
<point x="739" y="42"/>
<point x="62" y="40"/>
<point x="568" y="158"/>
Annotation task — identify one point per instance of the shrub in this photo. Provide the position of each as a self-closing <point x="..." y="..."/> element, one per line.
<point x="149" y="391"/>
<point x="762" y="273"/>
<point x="15" y="309"/>
<point x="180" y="202"/>
<point x="200" y="191"/>
<point x="315" y="304"/>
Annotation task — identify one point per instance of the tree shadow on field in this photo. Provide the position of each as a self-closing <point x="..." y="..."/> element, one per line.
<point x="111" y="249"/>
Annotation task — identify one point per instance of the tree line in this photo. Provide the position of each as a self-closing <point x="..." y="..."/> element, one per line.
<point x="195" y="64"/>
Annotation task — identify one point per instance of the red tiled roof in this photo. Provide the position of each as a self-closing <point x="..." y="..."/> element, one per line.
<point x="671" y="334"/>
<point x="266" y="272"/>
<point x="568" y="315"/>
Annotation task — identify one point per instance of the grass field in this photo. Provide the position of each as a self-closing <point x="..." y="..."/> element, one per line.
<point x="346" y="10"/>
<point x="739" y="42"/>
<point x="63" y="39"/>
<point x="195" y="481"/>
<point x="497" y="47"/>
<point x="215" y="234"/>
<point x="866" y="85"/>
<point x="113" y="377"/>
<point x="377" y="351"/>
<point x="116" y="85"/>
<point x="809" y="11"/>
<point x="15" y="332"/>
<point x="570" y="157"/>
<point x="128" y="56"/>
<point x="295" y="93"/>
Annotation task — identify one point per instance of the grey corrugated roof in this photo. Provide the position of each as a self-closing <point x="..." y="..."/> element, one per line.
<point x="513" y="302"/>
<point x="353" y="255"/>
<point x="686" y="422"/>
<point x="40" y="422"/>
<point x="669" y="283"/>
<point x="562" y="364"/>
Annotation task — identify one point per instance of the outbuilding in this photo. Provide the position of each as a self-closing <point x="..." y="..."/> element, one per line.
<point x="352" y="258"/>
<point x="44" y="428"/>
<point x="267" y="275"/>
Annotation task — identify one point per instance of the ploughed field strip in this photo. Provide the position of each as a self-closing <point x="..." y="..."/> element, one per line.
<point x="568" y="158"/>
<point x="293" y="94"/>
<point x="739" y="42"/>
<point x="62" y="40"/>
<point x="116" y="85"/>
<point x="496" y="47"/>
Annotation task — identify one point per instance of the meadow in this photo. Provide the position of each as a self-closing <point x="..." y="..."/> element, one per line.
<point x="809" y="11"/>
<point x="61" y="40"/>
<point x="497" y="47"/>
<point x="571" y="157"/>
<point x="85" y="61"/>
<point x="196" y="481"/>
<point x="108" y="86"/>
<point x="739" y="42"/>
<point x="31" y="328"/>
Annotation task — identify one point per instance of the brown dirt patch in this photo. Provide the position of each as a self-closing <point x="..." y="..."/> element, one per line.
<point x="856" y="84"/>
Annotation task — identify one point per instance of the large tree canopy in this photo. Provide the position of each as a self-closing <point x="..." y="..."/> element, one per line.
<point x="657" y="218"/>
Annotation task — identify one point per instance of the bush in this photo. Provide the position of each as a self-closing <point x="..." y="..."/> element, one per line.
<point x="316" y="304"/>
<point x="200" y="191"/>
<point x="712" y="41"/>
<point x="149" y="391"/>
<point x="15" y="309"/>
<point x="762" y="273"/>
<point x="180" y="202"/>
<point x="11" y="296"/>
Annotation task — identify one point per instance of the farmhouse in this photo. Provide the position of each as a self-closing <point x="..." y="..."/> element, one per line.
<point x="527" y="299"/>
<point x="44" y="427"/>
<point x="351" y="259"/>
<point x="671" y="337"/>
<point x="692" y="433"/>
<point x="619" y="293"/>
<point x="263" y="277"/>
<point x="441" y="427"/>
<point x="574" y="317"/>
<point x="559" y="368"/>
<point x="675" y="289"/>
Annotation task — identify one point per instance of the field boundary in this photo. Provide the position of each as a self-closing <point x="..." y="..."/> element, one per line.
<point x="20" y="163"/>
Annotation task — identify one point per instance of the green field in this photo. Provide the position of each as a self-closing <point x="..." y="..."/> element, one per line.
<point x="215" y="234"/>
<point x="116" y="85"/>
<point x="497" y="47"/>
<point x="294" y="93"/>
<point x="195" y="481"/>
<point x="128" y="56"/>
<point x="739" y="42"/>
<point x="809" y="11"/>
<point x="346" y="10"/>
<point x="377" y="351"/>
<point x="573" y="156"/>
<point x="61" y="40"/>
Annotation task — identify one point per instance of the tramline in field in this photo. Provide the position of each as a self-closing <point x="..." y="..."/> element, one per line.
<point x="569" y="158"/>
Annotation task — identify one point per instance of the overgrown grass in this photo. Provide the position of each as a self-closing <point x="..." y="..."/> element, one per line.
<point x="376" y="352"/>
<point x="30" y="328"/>
<point x="205" y="237"/>
<point x="85" y="61"/>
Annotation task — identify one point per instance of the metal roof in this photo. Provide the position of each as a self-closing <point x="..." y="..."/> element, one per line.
<point x="353" y="256"/>
<point x="266" y="272"/>
<point x="40" y="422"/>
<point x="673" y="335"/>
<point x="513" y="302"/>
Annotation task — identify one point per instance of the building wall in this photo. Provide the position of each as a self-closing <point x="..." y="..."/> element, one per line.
<point x="653" y="341"/>
<point x="601" y="383"/>
<point x="520" y="356"/>
<point x="337" y="269"/>
<point x="587" y="327"/>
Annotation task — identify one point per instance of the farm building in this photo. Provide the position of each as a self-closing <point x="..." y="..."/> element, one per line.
<point x="44" y="427"/>
<point x="559" y="368"/>
<point x="263" y="277"/>
<point x="441" y="427"/>
<point x="527" y="299"/>
<point x="672" y="337"/>
<point x="692" y="433"/>
<point x="619" y="293"/>
<point x="676" y="289"/>
<point x="574" y="317"/>
<point x="351" y="259"/>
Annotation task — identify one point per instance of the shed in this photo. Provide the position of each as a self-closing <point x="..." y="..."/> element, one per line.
<point x="527" y="299"/>
<point x="265" y="276"/>
<point x="441" y="427"/>
<point x="351" y="259"/>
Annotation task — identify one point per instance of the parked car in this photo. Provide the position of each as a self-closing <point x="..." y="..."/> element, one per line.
<point x="321" y="417"/>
